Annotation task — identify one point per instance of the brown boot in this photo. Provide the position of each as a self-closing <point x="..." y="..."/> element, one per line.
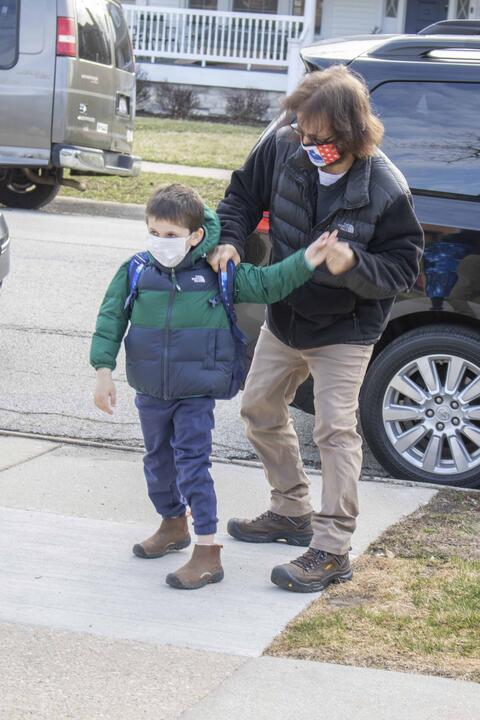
<point x="203" y="567"/>
<point x="270" y="527"/>
<point x="171" y="535"/>
<point x="312" y="571"/>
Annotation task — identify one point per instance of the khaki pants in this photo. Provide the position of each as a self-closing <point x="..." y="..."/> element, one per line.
<point x="338" y="371"/>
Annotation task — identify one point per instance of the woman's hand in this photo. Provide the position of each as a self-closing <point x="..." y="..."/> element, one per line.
<point x="317" y="252"/>
<point x="340" y="258"/>
<point x="220" y="256"/>
<point x="105" y="395"/>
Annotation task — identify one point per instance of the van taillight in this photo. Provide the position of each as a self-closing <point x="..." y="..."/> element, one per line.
<point x="66" y="37"/>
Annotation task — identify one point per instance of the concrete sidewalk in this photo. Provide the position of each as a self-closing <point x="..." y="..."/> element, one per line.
<point x="89" y="631"/>
<point x="187" y="170"/>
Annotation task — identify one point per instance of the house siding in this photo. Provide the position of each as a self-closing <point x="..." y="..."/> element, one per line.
<point x="353" y="17"/>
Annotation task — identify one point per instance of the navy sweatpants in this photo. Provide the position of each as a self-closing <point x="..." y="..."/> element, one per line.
<point x="178" y="441"/>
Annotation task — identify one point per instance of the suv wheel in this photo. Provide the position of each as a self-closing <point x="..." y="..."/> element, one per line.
<point x="420" y="406"/>
<point x="20" y="192"/>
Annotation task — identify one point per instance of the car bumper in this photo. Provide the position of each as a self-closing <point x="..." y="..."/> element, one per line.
<point x="4" y="250"/>
<point x="90" y="160"/>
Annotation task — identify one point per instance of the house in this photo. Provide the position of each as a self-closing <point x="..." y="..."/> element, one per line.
<point x="223" y="44"/>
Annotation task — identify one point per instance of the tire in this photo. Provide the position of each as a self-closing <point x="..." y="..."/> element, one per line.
<point x="304" y="397"/>
<point x="20" y="192"/>
<point x="420" y="406"/>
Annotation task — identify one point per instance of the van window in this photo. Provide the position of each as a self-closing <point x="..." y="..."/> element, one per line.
<point x="123" y="46"/>
<point x="93" y="33"/>
<point x="9" y="12"/>
<point x="431" y="133"/>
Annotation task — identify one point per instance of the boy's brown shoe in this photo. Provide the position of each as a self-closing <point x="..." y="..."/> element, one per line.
<point x="171" y="535"/>
<point x="270" y="527"/>
<point x="312" y="571"/>
<point x="204" y="567"/>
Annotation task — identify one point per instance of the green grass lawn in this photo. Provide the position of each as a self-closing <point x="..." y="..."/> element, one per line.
<point x="414" y="603"/>
<point x="193" y="142"/>
<point x="138" y="189"/>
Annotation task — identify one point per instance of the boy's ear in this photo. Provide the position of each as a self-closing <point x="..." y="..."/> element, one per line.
<point x="197" y="237"/>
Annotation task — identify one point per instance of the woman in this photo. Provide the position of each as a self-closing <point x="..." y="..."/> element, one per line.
<point x="323" y="173"/>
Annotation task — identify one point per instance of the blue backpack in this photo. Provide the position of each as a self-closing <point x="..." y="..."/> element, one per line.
<point x="226" y="282"/>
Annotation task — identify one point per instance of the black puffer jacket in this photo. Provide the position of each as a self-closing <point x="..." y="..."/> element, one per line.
<point x="375" y="216"/>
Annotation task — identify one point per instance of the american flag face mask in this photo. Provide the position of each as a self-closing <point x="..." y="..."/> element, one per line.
<point x="322" y="155"/>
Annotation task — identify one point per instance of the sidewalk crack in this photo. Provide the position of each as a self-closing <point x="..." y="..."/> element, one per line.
<point x="225" y="679"/>
<point x="29" y="459"/>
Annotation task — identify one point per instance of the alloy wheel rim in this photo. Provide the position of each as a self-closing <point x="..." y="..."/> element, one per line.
<point x="431" y="414"/>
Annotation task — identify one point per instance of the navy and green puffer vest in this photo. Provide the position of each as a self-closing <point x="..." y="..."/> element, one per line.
<point x="179" y="343"/>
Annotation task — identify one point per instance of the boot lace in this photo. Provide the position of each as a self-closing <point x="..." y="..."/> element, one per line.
<point x="268" y="515"/>
<point x="309" y="560"/>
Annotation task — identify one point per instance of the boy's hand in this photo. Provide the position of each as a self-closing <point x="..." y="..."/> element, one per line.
<point x="105" y="395"/>
<point x="340" y="258"/>
<point x="219" y="257"/>
<point x="318" y="251"/>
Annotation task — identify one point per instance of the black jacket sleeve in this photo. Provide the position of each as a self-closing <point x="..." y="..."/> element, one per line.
<point x="391" y="263"/>
<point x="248" y="195"/>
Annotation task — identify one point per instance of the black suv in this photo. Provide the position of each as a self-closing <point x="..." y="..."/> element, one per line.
<point x="420" y="403"/>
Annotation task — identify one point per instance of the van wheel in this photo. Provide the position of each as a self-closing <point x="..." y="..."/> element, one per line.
<point x="20" y="192"/>
<point x="420" y="406"/>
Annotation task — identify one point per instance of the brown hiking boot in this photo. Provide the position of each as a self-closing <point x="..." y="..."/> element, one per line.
<point x="270" y="527"/>
<point x="312" y="571"/>
<point x="203" y="567"/>
<point x="171" y="535"/>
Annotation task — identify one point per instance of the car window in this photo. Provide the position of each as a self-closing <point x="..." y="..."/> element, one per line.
<point x="431" y="133"/>
<point x="9" y="12"/>
<point x="93" y="32"/>
<point x="123" y="46"/>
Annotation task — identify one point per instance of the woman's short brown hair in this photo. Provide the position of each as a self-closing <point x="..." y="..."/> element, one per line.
<point x="339" y="98"/>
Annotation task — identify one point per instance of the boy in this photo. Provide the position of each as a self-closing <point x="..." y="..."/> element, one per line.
<point x="179" y="358"/>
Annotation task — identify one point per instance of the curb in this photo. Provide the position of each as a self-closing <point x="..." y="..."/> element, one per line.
<point x="224" y="461"/>
<point x="103" y="208"/>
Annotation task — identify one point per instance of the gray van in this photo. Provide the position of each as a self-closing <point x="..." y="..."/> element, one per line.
<point x="67" y="96"/>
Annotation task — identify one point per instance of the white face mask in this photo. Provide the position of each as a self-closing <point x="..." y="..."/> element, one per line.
<point x="169" y="251"/>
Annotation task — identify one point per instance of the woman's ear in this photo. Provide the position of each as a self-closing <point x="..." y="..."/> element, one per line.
<point x="197" y="237"/>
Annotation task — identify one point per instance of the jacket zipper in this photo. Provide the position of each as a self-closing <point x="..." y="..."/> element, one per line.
<point x="167" y="332"/>
<point x="324" y="226"/>
<point x="310" y="212"/>
<point x="354" y="318"/>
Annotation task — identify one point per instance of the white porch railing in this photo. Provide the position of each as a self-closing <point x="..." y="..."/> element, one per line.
<point x="212" y="36"/>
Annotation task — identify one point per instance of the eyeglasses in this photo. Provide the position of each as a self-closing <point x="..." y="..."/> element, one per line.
<point x="313" y="141"/>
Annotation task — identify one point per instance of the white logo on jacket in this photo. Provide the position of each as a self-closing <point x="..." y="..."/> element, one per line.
<point x="346" y="227"/>
<point x="198" y="279"/>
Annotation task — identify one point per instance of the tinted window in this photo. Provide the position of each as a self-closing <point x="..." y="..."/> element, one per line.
<point x="93" y="32"/>
<point x="123" y="47"/>
<point x="255" y="6"/>
<point x="8" y="32"/>
<point x="432" y="133"/>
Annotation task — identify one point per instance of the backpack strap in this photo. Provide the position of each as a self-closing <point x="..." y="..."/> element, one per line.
<point x="226" y="281"/>
<point x="135" y="268"/>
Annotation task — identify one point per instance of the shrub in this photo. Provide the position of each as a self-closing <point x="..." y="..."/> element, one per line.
<point x="177" y="101"/>
<point x="247" y="105"/>
<point x="143" y="86"/>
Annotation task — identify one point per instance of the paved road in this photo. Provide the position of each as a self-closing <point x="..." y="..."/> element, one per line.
<point x="61" y="265"/>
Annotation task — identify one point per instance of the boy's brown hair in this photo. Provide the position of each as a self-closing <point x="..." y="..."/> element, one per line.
<point x="340" y="98"/>
<point x="177" y="203"/>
